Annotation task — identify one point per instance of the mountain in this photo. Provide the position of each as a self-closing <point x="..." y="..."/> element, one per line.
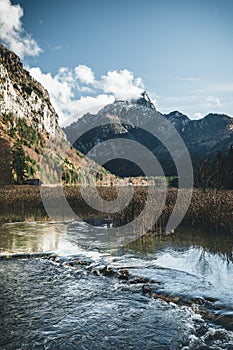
<point x="204" y="137"/>
<point x="25" y="97"/>
<point x="29" y="131"/>
<point x="138" y="120"/>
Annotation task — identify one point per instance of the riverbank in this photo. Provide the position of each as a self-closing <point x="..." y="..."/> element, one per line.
<point x="212" y="209"/>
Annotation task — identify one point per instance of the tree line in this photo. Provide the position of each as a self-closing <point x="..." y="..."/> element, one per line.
<point x="15" y="165"/>
<point x="217" y="173"/>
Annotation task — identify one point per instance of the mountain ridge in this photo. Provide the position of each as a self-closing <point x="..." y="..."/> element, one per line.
<point x="127" y="119"/>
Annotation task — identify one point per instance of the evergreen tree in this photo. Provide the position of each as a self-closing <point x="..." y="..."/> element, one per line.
<point x="5" y="162"/>
<point x="229" y="169"/>
<point x="216" y="174"/>
<point x="19" y="164"/>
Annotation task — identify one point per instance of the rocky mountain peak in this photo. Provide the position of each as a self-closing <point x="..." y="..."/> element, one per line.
<point x="145" y="101"/>
<point x="175" y="114"/>
<point x="129" y="108"/>
<point x="132" y="118"/>
<point x="177" y="118"/>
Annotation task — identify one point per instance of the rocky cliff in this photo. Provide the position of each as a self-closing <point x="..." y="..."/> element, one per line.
<point x="24" y="97"/>
<point x="32" y="145"/>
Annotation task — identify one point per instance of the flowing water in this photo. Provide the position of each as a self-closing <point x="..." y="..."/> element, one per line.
<point x="50" y="304"/>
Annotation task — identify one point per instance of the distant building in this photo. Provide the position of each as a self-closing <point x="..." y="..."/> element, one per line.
<point x="35" y="182"/>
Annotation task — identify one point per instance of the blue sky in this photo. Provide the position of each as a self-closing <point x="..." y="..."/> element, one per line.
<point x="87" y="52"/>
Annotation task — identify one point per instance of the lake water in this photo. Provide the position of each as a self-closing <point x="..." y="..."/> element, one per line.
<point x="48" y="304"/>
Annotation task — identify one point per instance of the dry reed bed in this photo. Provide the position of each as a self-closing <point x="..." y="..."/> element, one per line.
<point x="212" y="209"/>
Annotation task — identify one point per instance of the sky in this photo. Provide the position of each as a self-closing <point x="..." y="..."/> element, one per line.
<point x="87" y="53"/>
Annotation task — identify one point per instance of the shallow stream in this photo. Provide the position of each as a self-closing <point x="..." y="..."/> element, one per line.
<point x="50" y="304"/>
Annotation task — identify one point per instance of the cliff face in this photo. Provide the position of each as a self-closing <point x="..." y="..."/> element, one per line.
<point x="32" y="145"/>
<point x="24" y="97"/>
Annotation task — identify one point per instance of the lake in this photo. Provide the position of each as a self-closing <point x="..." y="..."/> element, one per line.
<point x="51" y="304"/>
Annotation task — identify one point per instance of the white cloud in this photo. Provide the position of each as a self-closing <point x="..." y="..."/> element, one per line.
<point x="213" y="100"/>
<point x="66" y="75"/>
<point x="85" y="89"/>
<point x="12" y="33"/>
<point x="56" y="48"/>
<point x="191" y="79"/>
<point x="197" y="115"/>
<point x="68" y="90"/>
<point x="84" y="74"/>
<point x="61" y="88"/>
<point x="78" y="107"/>
<point x="122" y="84"/>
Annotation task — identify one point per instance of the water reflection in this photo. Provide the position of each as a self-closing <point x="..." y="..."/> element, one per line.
<point x="27" y="228"/>
<point x="31" y="212"/>
<point x="29" y="237"/>
<point x="186" y="238"/>
<point x="22" y="212"/>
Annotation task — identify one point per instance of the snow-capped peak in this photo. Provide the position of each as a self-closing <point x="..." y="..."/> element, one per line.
<point x="143" y="100"/>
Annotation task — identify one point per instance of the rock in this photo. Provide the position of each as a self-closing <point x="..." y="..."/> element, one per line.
<point x="24" y="97"/>
<point x="123" y="275"/>
<point x="146" y="289"/>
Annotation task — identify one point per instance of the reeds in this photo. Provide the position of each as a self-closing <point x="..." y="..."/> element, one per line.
<point x="212" y="209"/>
